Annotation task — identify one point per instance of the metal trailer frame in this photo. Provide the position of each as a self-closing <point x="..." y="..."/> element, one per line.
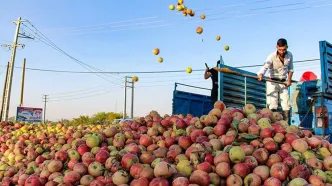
<point x="236" y="91"/>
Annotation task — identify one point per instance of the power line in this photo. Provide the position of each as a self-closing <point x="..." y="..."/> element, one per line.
<point x="220" y="18"/>
<point x="75" y="93"/>
<point x="115" y="90"/>
<point x="52" y="45"/>
<point x="228" y="6"/>
<point x="75" y="98"/>
<point x="143" y="72"/>
<point x="81" y="90"/>
<point x="103" y="25"/>
<point x="139" y="85"/>
<point x="84" y="65"/>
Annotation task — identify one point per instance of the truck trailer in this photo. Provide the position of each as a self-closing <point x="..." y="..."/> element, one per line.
<point x="311" y="100"/>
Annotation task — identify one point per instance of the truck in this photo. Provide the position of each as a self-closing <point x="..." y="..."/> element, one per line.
<point x="311" y="99"/>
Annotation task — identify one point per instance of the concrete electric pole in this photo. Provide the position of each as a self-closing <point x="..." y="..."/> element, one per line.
<point x="45" y="101"/>
<point x="9" y="77"/>
<point x="22" y="83"/>
<point x="125" y="98"/>
<point x="134" y="79"/>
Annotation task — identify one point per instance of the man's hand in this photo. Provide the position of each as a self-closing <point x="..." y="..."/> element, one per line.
<point x="288" y="82"/>
<point x="260" y="77"/>
<point x="207" y="74"/>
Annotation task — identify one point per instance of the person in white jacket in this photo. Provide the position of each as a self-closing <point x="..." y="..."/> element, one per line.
<point x="280" y="66"/>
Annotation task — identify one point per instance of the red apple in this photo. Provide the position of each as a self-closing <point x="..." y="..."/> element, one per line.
<point x="223" y="169"/>
<point x="234" y="180"/>
<point x="262" y="171"/>
<point x="145" y="140"/>
<point x="290" y="162"/>
<point x="139" y="182"/>
<point x="267" y="133"/>
<point x="205" y="166"/>
<point x="271" y="146"/>
<point x="290" y="137"/>
<point x="254" y="129"/>
<point x="252" y="180"/>
<point x="102" y="156"/>
<point x="251" y="162"/>
<point x="300" y="171"/>
<point x="314" y="163"/>
<point x="279" y="170"/>
<point x="82" y="149"/>
<point x="241" y="169"/>
<point x="159" y="182"/>
<point x="261" y="156"/>
<point x="72" y="177"/>
<point x="272" y="182"/>
<point x="274" y="158"/>
<point x="32" y="181"/>
<point x="128" y="160"/>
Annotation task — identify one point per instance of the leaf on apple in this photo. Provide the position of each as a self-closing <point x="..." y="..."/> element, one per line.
<point x="235" y="125"/>
<point x="284" y="183"/>
<point x="228" y="149"/>
<point x="248" y="136"/>
<point x="319" y="156"/>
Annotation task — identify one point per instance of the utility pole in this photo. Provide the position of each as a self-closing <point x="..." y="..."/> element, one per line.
<point x="132" y="100"/>
<point x="125" y="98"/>
<point x="22" y="82"/>
<point x="45" y="101"/>
<point x="4" y="88"/>
<point x="134" y="79"/>
<point x="8" y="82"/>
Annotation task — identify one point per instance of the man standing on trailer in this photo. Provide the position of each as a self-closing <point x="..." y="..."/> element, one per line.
<point x="280" y="66"/>
<point x="213" y="73"/>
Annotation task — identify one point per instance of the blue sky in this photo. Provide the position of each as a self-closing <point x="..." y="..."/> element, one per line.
<point x="131" y="29"/>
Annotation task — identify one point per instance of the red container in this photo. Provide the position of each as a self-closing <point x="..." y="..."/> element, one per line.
<point x="308" y="76"/>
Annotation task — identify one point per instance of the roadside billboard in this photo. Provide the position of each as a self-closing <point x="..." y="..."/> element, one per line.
<point x="28" y="114"/>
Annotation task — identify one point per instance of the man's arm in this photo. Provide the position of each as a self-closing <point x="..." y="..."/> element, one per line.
<point x="267" y="65"/>
<point x="207" y="74"/>
<point x="290" y="72"/>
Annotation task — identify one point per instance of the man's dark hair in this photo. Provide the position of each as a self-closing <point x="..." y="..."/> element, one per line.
<point x="218" y="62"/>
<point x="282" y="42"/>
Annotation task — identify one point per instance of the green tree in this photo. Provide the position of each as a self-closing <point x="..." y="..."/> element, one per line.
<point x="112" y="116"/>
<point x="99" y="118"/>
<point x="105" y="117"/>
<point x="65" y="121"/>
<point x="80" y="120"/>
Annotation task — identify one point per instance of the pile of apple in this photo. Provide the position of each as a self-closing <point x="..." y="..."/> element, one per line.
<point x="227" y="147"/>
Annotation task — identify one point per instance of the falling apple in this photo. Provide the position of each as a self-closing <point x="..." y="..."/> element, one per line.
<point x="180" y="2"/>
<point x="192" y="14"/>
<point x="189" y="70"/>
<point x="218" y="38"/>
<point x="134" y="79"/>
<point x="199" y="30"/>
<point x="227" y="48"/>
<point x="189" y="11"/>
<point x="202" y="16"/>
<point x="160" y="59"/>
<point x="180" y="7"/>
<point x="185" y="12"/>
<point x="171" y="7"/>
<point x="156" y="51"/>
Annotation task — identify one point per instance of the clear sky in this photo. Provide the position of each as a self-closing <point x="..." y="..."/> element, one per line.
<point x="120" y="36"/>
